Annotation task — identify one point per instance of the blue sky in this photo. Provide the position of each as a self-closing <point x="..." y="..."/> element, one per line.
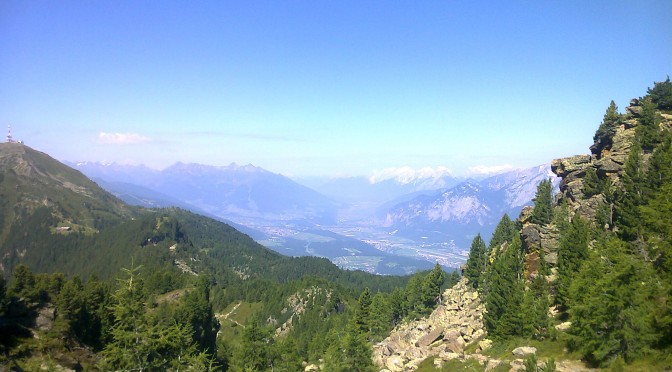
<point x="324" y="88"/>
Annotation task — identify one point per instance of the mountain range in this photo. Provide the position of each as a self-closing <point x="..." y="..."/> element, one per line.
<point x="471" y="207"/>
<point x="396" y="221"/>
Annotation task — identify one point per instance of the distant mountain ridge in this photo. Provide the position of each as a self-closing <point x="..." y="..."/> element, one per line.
<point x="225" y="191"/>
<point x="470" y="206"/>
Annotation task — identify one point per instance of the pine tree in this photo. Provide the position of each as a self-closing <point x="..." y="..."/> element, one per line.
<point x="607" y="129"/>
<point x="504" y="299"/>
<point x="613" y="311"/>
<point x="476" y="263"/>
<point x="535" y="309"/>
<point x="380" y="317"/>
<point x="255" y="352"/>
<point x="631" y="196"/>
<point x="504" y="232"/>
<point x="362" y="317"/>
<point x="431" y="287"/>
<point x="572" y="252"/>
<point x="649" y="126"/>
<point x="592" y="184"/>
<point x="661" y="94"/>
<point x="542" y="213"/>
<point x="138" y="343"/>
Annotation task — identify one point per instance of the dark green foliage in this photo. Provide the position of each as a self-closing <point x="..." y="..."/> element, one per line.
<point x="592" y="184"/>
<point x="431" y="287"/>
<point x="504" y="299"/>
<point x="572" y="252"/>
<point x="661" y="94"/>
<point x="477" y="262"/>
<point x="535" y="309"/>
<point x="613" y="305"/>
<point x="542" y="213"/>
<point x="604" y="134"/>
<point x="381" y="320"/>
<point x="255" y="352"/>
<point x="631" y="196"/>
<point x="138" y="342"/>
<point x="195" y="309"/>
<point x="504" y="232"/>
<point x="23" y="284"/>
<point x="656" y="215"/>
<point x="353" y="351"/>
<point x="648" y="129"/>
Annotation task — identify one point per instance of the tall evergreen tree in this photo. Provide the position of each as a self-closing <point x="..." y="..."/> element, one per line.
<point x="542" y="213"/>
<point x="607" y="129"/>
<point x="649" y="125"/>
<point x="477" y="261"/>
<point x="431" y="287"/>
<point x="380" y="316"/>
<point x="631" y="196"/>
<point x="661" y="94"/>
<point x="613" y="311"/>
<point x="504" y="232"/>
<point x="572" y="252"/>
<point x="535" y="309"/>
<point x="139" y="344"/>
<point x="504" y="299"/>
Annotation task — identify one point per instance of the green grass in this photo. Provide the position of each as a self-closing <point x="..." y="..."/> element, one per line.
<point x="232" y="329"/>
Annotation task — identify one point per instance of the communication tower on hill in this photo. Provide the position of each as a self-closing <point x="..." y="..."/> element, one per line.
<point x="9" y="134"/>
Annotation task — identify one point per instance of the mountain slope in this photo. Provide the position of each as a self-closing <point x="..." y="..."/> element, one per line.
<point x="56" y="219"/>
<point x="471" y="206"/>
<point x="232" y="192"/>
<point x="72" y="200"/>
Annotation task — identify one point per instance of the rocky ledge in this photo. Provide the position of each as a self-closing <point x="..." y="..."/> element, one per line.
<point x="456" y="323"/>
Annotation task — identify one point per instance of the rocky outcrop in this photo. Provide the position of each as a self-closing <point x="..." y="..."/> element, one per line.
<point x="608" y="158"/>
<point x="456" y="323"/>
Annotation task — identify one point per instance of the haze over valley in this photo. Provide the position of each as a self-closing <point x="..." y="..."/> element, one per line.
<point x="389" y="224"/>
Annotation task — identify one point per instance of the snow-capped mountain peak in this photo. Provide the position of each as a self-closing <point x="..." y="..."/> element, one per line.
<point x="406" y="175"/>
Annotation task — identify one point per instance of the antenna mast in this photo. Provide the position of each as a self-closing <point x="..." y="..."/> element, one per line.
<point x="9" y="134"/>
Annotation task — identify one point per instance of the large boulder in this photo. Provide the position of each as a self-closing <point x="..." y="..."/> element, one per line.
<point x="565" y="166"/>
<point x="430" y="338"/>
<point x="524" y="351"/>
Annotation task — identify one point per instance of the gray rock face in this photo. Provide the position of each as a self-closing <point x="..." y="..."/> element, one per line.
<point x="452" y="326"/>
<point x="524" y="351"/>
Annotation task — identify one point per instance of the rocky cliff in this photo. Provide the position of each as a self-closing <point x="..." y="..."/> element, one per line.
<point x="608" y="156"/>
<point x="455" y="324"/>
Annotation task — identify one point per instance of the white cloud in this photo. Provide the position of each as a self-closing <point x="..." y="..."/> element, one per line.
<point x="490" y="169"/>
<point x="121" y="138"/>
<point x="407" y="174"/>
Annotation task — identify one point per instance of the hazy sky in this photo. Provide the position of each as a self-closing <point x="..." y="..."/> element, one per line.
<point x="324" y="88"/>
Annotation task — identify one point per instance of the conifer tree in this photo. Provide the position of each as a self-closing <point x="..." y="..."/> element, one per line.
<point x="661" y="94"/>
<point x="542" y="213"/>
<point x="648" y="128"/>
<point x="613" y="311"/>
<point x="607" y="128"/>
<point x="631" y="196"/>
<point x="431" y="287"/>
<point x="255" y="352"/>
<point x="504" y="232"/>
<point x="504" y="299"/>
<point x="476" y="263"/>
<point x="572" y="252"/>
<point x="592" y="184"/>
<point x="380" y="316"/>
<point x="139" y="344"/>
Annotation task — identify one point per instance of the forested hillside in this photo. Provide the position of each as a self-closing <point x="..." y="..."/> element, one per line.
<point x="599" y="254"/>
<point x="94" y="283"/>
